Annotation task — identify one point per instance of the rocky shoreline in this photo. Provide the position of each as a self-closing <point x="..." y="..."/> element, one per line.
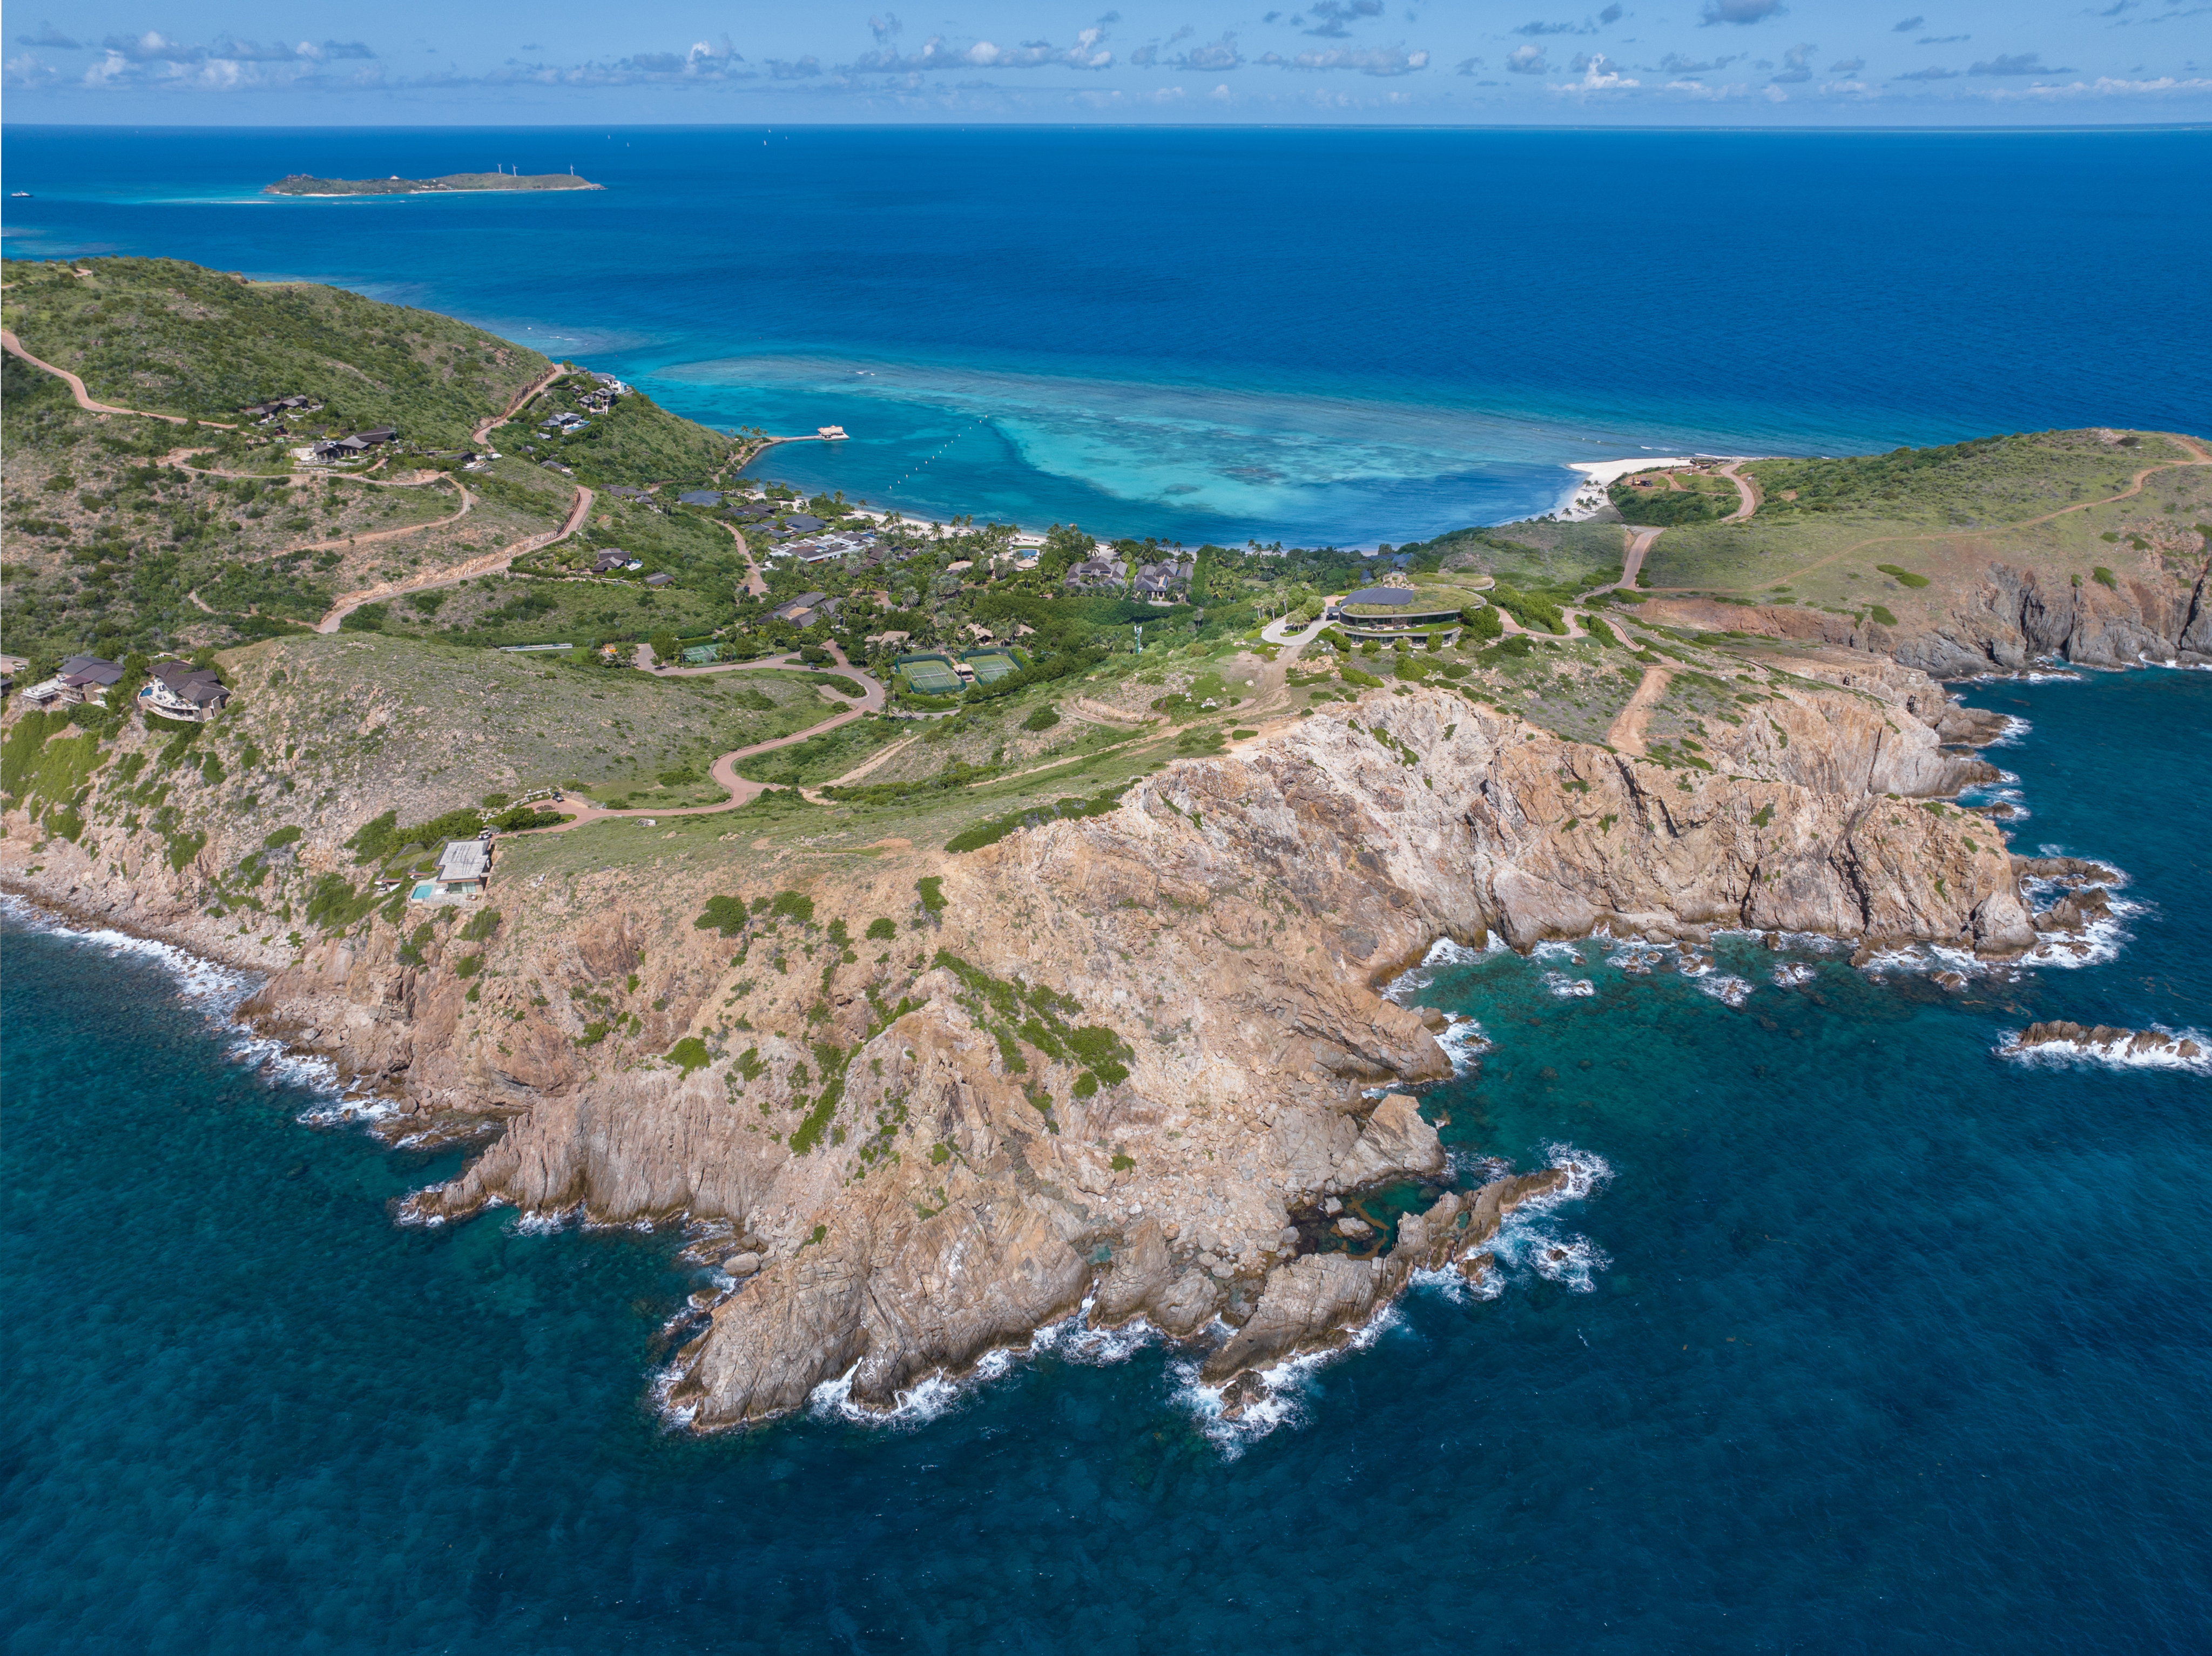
<point x="1127" y="1059"/>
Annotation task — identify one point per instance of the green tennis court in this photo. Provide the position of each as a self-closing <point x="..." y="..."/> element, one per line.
<point x="932" y="675"/>
<point x="990" y="666"/>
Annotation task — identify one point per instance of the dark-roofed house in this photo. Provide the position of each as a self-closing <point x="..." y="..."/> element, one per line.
<point x="613" y="558"/>
<point x="804" y="524"/>
<point x="176" y="689"/>
<point x="624" y="492"/>
<point x="659" y="578"/>
<point x="753" y="512"/>
<point x="82" y="678"/>
<point x="700" y="497"/>
<point x="1097" y="572"/>
<point x="800" y="610"/>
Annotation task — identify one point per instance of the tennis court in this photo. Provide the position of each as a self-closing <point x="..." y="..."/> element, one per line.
<point x="931" y="675"/>
<point x="990" y="666"/>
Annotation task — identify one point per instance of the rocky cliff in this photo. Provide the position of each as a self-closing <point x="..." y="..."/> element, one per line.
<point x="1130" y="1057"/>
<point x="2007" y="619"/>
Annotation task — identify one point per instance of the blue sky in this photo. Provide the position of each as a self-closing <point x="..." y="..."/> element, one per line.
<point x="1691" y="61"/>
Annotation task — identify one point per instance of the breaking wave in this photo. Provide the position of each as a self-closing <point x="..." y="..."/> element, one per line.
<point x="2165" y="1055"/>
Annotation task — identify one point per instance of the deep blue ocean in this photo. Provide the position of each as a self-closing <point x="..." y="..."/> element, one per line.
<point x="1305" y="336"/>
<point x="1873" y="1341"/>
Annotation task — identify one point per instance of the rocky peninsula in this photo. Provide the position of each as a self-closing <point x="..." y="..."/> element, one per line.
<point x="1128" y="1058"/>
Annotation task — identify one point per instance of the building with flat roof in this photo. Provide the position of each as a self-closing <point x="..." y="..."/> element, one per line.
<point x="464" y="872"/>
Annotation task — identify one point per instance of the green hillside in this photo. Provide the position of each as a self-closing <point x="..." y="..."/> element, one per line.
<point x="126" y="534"/>
<point x="176" y="338"/>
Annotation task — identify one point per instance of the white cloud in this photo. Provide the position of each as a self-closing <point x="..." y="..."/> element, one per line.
<point x="1381" y="60"/>
<point x="2105" y="86"/>
<point x="1598" y="76"/>
<point x="938" y="53"/>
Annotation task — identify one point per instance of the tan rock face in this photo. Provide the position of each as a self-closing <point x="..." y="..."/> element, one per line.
<point x="922" y="1185"/>
<point x="2003" y="620"/>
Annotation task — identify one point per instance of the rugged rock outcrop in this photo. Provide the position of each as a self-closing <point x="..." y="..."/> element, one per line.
<point x="1125" y="1051"/>
<point x="2010" y="619"/>
<point x="1311" y="1303"/>
<point x="2103" y="1041"/>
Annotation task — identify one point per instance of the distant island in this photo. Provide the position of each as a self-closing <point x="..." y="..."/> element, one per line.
<point x="303" y="184"/>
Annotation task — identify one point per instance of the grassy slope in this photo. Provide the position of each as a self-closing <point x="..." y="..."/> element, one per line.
<point x="176" y="338"/>
<point x="1944" y="513"/>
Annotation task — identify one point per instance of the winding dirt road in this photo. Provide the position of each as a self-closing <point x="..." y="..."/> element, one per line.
<point x="741" y="790"/>
<point x="755" y="583"/>
<point x="1746" y="487"/>
<point x="489" y="563"/>
<point x="14" y="348"/>
<point x="485" y="427"/>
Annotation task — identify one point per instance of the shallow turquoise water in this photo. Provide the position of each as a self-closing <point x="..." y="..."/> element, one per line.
<point x="1300" y="335"/>
<point x="1888" y="1345"/>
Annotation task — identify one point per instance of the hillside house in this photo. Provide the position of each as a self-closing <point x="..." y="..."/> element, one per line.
<point x="464" y="872"/>
<point x="81" y="679"/>
<point x="612" y="559"/>
<point x="659" y="578"/>
<point x="176" y="689"/>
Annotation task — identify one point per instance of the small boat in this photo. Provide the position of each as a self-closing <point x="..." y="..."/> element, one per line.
<point x="19" y="195"/>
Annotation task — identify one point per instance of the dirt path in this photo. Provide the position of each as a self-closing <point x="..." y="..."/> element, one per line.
<point x="1076" y="758"/>
<point x="485" y="428"/>
<point x="892" y="751"/>
<point x="1084" y="708"/>
<point x="1747" y="487"/>
<point x="14" y="348"/>
<point x="489" y="563"/>
<point x="2129" y="493"/>
<point x="724" y="770"/>
<point x="1625" y="733"/>
<point x="755" y="583"/>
